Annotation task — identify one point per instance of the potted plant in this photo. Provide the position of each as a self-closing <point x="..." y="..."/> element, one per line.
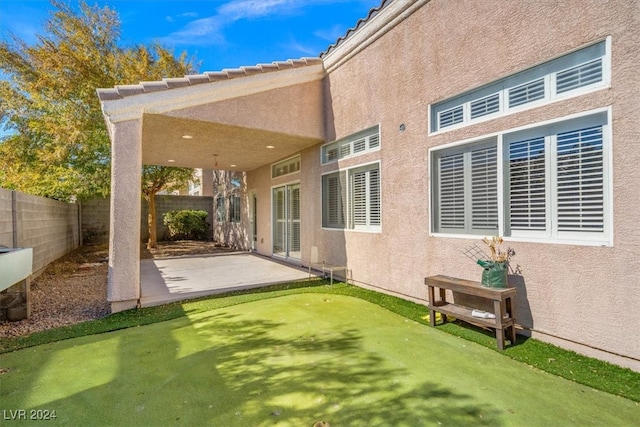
<point x="496" y="267"/>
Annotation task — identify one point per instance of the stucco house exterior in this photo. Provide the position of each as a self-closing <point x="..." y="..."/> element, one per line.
<point x="429" y="125"/>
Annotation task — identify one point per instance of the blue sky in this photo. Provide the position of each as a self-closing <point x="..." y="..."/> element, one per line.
<point x="218" y="33"/>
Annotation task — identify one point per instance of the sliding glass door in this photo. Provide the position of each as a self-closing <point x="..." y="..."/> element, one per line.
<point x="286" y="221"/>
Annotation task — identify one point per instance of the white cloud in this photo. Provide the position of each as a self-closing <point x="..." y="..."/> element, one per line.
<point x="209" y="30"/>
<point x="304" y="50"/>
<point x="239" y="9"/>
<point x="330" y="34"/>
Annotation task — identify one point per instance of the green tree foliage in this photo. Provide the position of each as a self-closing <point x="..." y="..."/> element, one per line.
<point x="186" y="224"/>
<point x="154" y="179"/>
<point x="58" y="144"/>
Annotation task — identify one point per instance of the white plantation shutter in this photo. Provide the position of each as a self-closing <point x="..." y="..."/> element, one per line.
<point x="280" y="219"/>
<point x="294" y="218"/>
<point x="358" y="199"/>
<point x="374" y="141"/>
<point x="484" y="189"/>
<point x="526" y="93"/>
<point x="374" y="197"/>
<point x="467" y="197"/>
<point x="451" y="192"/>
<point x="450" y="117"/>
<point x="554" y="183"/>
<point x="582" y="75"/>
<point x="333" y="194"/>
<point x="576" y="73"/>
<point x="527" y="182"/>
<point x="358" y="143"/>
<point x="580" y="180"/>
<point x="334" y="200"/>
<point x="487" y="105"/>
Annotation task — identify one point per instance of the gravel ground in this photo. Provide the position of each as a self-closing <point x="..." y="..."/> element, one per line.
<point x="73" y="288"/>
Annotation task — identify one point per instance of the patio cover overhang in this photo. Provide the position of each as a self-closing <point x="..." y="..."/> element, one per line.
<point x="237" y="119"/>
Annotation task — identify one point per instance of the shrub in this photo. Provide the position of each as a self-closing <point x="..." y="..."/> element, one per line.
<point x="186" y="224"/>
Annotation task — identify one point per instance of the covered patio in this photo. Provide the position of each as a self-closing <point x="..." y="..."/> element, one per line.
<point x="237" y="119"/>
<point x="167" y="280"/>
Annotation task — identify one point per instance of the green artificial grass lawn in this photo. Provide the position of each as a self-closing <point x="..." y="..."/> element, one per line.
<point x="293" y="356"/>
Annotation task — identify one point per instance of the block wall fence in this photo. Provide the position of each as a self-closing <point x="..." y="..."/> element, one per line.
<point x="50" y="227"/>
<point x="95" y="216"/>
<point x="53" y="228"/>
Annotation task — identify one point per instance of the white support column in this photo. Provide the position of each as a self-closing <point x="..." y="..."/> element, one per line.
<point x="124" y="237"/>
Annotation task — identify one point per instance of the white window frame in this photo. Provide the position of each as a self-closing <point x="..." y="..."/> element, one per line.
<point x="292" y="165"/>
<point x="371" y="224"/>
<point x="547" y="71"/>
<point x="548" y="129"/>
<point x="348" y="147"/>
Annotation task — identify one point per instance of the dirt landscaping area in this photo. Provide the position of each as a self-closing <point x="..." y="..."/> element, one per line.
<point x="73" y="288"/>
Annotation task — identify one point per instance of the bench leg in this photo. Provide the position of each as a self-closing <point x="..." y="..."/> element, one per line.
<point x="509" y="307"/>
<point x="432" y="312"/>
<point x="498" y="310"/>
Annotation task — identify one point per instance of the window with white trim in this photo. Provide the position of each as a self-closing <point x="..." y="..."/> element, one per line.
<point x="555" y="183"/>
<point x="234" y="208"/>
<point x="465" y="189"/>
<point x="354" y="145"/>
<point x="573" y="74"/>
<point x="285" y="167"/>
<point x="352" y="198"/>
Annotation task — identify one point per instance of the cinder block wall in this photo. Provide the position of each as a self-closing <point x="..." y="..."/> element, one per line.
<point x="95" y="221"/>
<point x="6" y="219"/>
<point x="50" y="227"/>
<point x="95" y="216"/>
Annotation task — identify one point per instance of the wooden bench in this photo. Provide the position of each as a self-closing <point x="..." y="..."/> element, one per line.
<point x="501" y="298"/>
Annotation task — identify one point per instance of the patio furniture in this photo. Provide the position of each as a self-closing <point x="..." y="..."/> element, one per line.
<point x="502" y="319"/>
<point x="15" y="280"/>
<point x="329" y="268"/>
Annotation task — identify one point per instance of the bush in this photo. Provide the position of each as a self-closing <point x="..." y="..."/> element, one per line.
<point x="186" y="224"/>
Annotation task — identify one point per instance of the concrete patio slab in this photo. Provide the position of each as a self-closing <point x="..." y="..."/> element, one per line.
<point x="174" y="279"/>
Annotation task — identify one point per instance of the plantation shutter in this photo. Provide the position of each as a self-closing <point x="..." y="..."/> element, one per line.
<point x="280" y="219"/>
<point x="580" y="180"/>
<point x="450" y="117"/>
<point x="358" y="199"/>
<point x="334" y="200"/>
<point x="526" y="93"/>
<point x="527" y="197"/>
<point x="487" y="105"/>
<point x="374" y="197"/>
<point x="451" y="192"/>
<point x="294" y="218"/>
<point x="374" y="140"/>
<point x="484" y="189"/>
<point x="579" y="76"/>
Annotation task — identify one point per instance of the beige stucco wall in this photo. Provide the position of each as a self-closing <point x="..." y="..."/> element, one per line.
<point x="582" y="297"/>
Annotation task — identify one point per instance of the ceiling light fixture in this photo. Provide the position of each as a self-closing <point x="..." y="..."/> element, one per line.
<point x="270" y="146"/>
<point x="187" y="136"/>
<point x="233" y="166"/>
<point x="171" y="161"/>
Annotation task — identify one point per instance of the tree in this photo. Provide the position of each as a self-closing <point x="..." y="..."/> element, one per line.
<point x="58" y="144"/>
<point x="154" y="179"/>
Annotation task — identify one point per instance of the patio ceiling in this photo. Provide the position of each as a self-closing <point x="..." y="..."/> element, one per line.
<point x="171" y="141"/>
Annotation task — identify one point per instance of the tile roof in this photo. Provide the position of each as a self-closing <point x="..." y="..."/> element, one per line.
<point x="373" y="12"/>
<point x="122" y="91"/>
